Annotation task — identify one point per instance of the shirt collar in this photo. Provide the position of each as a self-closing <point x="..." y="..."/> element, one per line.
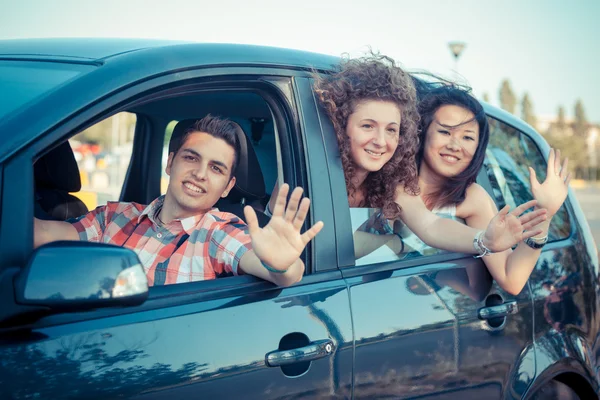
<point x="152" y="209"/>
<point x="188" y="224"/>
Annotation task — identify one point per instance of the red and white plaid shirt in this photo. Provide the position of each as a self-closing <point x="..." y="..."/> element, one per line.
<point x="216" y="243"/>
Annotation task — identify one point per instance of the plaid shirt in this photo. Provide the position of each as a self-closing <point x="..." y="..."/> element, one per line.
<point x="216" y="243"/>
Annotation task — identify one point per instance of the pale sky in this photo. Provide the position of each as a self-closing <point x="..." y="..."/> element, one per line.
<point x="549" y="48"/>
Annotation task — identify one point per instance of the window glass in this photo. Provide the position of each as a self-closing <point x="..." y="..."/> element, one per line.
<point x="509" y="154"/>
<point x="377" y="239"/>
<point x="27" y="80"/>
<point x="103" y="152"/>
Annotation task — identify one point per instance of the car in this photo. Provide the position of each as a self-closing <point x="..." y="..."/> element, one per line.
<point x="427" y="327"/>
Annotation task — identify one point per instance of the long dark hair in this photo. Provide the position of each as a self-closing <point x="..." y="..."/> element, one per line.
<point x="374" y="77"/>
<point x="432" y="97"/>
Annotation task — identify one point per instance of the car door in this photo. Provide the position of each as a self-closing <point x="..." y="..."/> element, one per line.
<point x="421" y="330"/>
<point x="433" y="326"/>
<point x="236" y="337"/>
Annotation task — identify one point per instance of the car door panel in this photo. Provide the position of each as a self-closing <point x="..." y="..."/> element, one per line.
<point x="217" y="347"/>
<point x="418" y="333"/>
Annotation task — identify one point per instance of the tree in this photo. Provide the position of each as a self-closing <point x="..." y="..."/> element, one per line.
<point x="561" y="124"/>
<point x="527" y="110"/>
<point x="559" y="138"/>
<point x="508" y="100"/>
<point x="580" y="127"/>
<point x="101" y="132"/>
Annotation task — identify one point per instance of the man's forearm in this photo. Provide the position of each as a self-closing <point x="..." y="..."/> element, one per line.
<point x="252" y="265"/>
<point x="294" y="274"/>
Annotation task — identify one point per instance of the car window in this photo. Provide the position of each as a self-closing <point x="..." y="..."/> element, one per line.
<point x="28" y="80"/>
<point x="103" y="152"/>
<point x="509" y="154"/>
<point x="377" y="239"/>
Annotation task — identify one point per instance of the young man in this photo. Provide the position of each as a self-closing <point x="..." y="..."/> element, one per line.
<point x="180" y="238"/>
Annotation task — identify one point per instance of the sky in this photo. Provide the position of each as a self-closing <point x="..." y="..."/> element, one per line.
<point x="547" y="48"/>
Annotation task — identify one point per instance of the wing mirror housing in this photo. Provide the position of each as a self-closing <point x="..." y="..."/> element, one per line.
<point x="76" y="276"/>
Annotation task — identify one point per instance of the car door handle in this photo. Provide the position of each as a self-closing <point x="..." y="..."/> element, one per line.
<point x="498" y="311"/>
<point x="314" y="351"/>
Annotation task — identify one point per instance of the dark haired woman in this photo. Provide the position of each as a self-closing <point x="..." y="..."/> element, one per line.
<point x="454" y="137"/>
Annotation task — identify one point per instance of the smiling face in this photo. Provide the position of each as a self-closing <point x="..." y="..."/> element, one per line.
<point x="450" y="142"/>
<point x="200" y="174"/>
<point x="374" y="131"/>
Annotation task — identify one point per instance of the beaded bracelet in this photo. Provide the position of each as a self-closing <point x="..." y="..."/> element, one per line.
<point x="273" y="270"/>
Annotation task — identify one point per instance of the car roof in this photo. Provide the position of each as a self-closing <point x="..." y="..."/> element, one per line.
<point x="80" y="48"/>
<point x="98" y="50"/>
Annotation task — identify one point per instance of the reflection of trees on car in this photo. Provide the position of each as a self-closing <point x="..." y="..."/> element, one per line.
<point x="56" y="370"/>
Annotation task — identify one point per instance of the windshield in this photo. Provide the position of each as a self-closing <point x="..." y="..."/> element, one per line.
<point x="24" y="81"/>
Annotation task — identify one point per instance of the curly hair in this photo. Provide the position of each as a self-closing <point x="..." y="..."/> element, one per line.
<point x="375" y="77"/>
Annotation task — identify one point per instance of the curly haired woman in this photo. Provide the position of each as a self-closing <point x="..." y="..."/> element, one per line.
<point x="372" y="104"/>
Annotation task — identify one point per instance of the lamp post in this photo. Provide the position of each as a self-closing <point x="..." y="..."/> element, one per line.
<point x="456" y="48"/>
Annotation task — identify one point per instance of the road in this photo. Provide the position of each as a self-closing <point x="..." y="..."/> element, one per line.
<point x="589" y="198"/>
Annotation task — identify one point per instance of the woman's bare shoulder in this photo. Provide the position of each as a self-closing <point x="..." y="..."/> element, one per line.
<point x="476" y="200"/>
<point x="477" y="192"/>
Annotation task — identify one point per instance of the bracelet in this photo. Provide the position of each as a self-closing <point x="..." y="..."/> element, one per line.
<point x="485" y="248"/>
<point x="273" y="270"/>
<point x="540" y="239"/>
<point x="480" y="248"/>
<point x="401" y="241"/>
<point x="536" y="243"/>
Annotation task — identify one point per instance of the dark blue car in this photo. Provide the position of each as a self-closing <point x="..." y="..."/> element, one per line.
<point x="86" y="121"/>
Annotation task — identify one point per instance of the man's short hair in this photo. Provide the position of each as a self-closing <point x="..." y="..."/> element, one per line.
<point x="220" y="128"/>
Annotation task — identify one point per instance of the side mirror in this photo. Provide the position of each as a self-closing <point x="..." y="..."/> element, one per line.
<point x="75" y="276"/>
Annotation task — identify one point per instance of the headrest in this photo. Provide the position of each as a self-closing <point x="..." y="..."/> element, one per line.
<point x="58" y="170"/>
<point x="249" y="180"/>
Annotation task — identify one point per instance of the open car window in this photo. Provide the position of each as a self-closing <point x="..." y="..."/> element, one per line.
<point x="116" y="158"/>
<point x="377" y="239"/>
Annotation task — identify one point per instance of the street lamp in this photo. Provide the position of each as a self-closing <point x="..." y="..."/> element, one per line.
<point x="456" y="48"/>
